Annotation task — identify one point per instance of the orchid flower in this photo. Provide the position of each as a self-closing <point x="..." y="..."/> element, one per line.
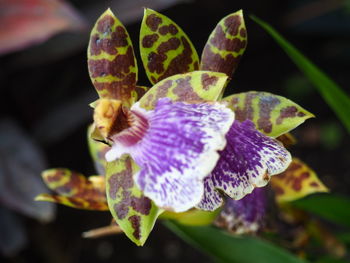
<point x="179" y="145"/>
<point x="176" y="146"/>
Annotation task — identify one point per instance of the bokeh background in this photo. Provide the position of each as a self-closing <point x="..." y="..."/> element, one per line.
<point x="45" y="91"/>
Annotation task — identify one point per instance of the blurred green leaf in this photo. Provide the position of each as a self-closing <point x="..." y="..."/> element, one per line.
<point x="344" y="237"/>
<point x="297" y="87"/>
<point x="227" y="248"/>
<point x="331" y="260"/>
<point x="331" y="135"/>
<point x="331" y="207"/>
<point x="336" y="98"/>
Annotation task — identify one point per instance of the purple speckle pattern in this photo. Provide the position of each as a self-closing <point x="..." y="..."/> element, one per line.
<point x="248" y="161"/>
<point x="177" y="150"/>
<point x="245" y="215"/>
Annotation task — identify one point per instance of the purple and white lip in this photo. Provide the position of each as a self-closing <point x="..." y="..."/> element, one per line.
<point x="176" y="146"/>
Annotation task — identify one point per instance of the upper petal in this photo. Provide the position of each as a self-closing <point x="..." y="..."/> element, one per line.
<point x="176" y="149"/>
<point x="111" y="60"/>
<point x="248" y="161"/>
<point x="226" y="45"/>
<point x="165" y="49"/>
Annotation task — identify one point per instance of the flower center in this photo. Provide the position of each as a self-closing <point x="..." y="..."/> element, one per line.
<point x="137" y="127"/>
<point x="117" y="123"/>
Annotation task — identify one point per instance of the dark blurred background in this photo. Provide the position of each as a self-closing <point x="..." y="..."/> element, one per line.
<point x="45" y="91"/>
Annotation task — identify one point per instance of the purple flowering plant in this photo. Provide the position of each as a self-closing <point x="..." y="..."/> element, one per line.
<point x="179" y="149"/>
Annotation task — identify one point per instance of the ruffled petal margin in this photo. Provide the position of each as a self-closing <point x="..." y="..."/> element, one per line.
<point x="248" y="161"/>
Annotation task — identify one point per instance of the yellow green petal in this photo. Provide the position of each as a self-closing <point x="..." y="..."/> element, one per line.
<point x="74" y="202"/>
<point x="297" y="181"/>
<point x="272" y="115"/>
<point x="226" y="45"/>
<point x="97" y="151"/>
<point x="111" y="60"/>
<point x="74" y="189"/>
<point x="195" y="86"/>
<point x="133" y="212"/>
<point x="165" y="49"/>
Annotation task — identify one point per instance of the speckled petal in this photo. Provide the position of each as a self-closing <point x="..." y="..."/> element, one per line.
<point x="244" y="216"/>
<point x="212" y="199"/>
<point x="298" y="181"/>
<point x="111" y="60"/>
<point x="175" y="146"/>
<point x="226" y="45"/>
<point x="249" y="159"/>
<point x="164" y="48"/>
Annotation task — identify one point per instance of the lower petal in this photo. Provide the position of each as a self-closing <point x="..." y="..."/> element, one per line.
<point x="248" y="161"/>
<point x="245" y="215"/>
<point x="170" y="191"/>
<point x="211" y="198"/>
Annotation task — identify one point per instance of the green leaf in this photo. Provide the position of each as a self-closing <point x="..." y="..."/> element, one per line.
<point x="226" y="45"/>
<point x="134" y="213"/>
<point x="194" y="86"/>
<point x="336" y="98"/>
<point x="111" y="60"/>
<point x="272" y="115"/>
<point x="331" y="260"/>
<point x="331" y="207"/>
<point x="165" y="49"/>
<point x="226" y="248"/>
<point x="74" y="189"/>
<point x="331" y="135"/>
<point x="344" y="237"/>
